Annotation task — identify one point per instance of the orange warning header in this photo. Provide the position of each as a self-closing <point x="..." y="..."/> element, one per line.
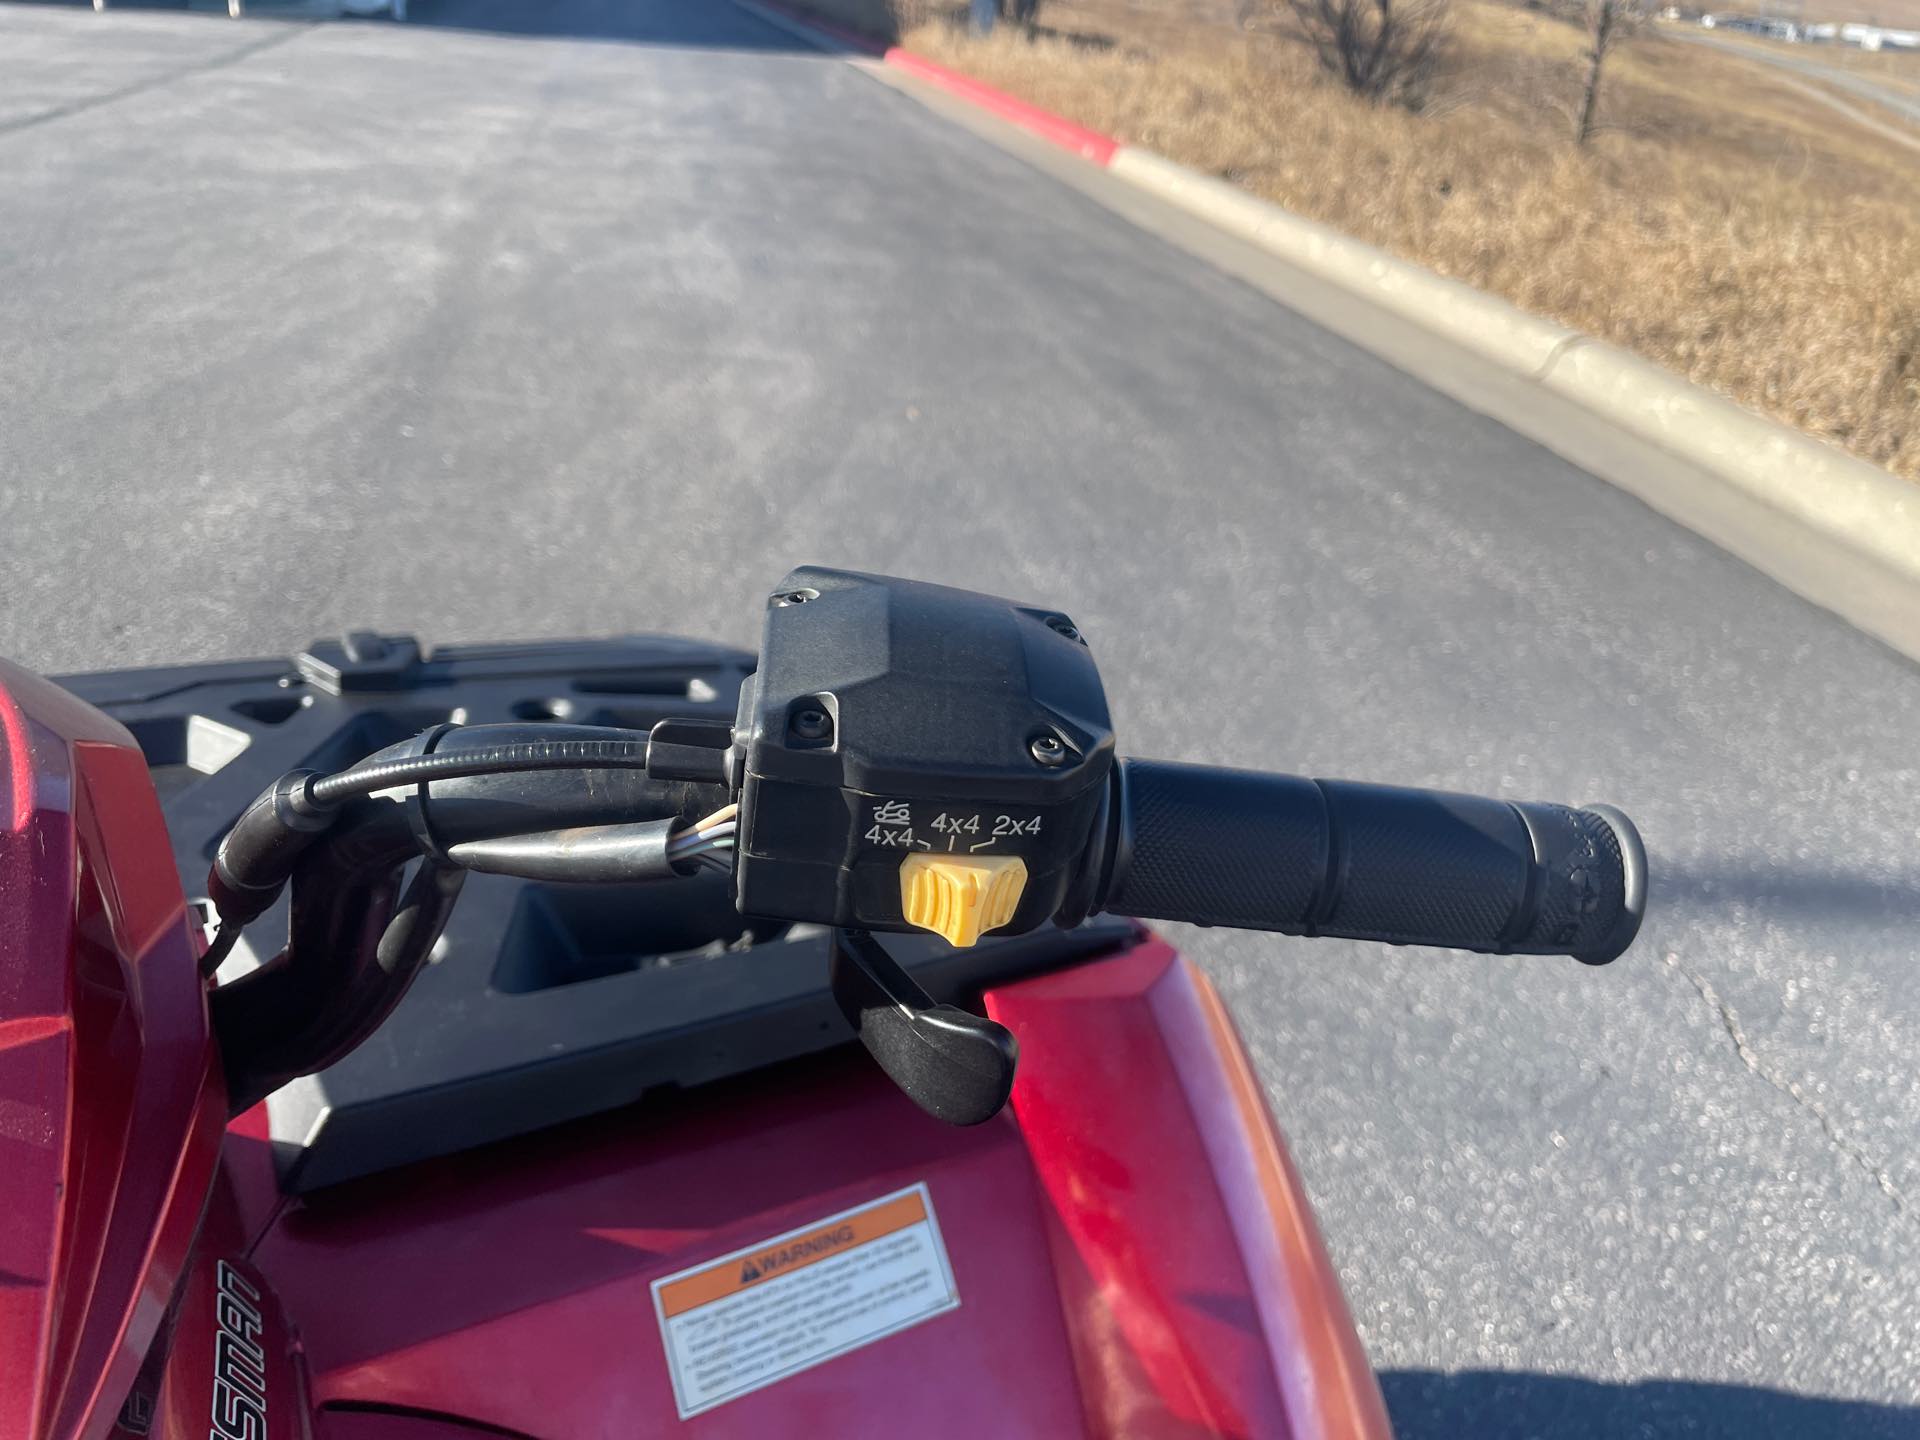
<point x="791" y="1252"/>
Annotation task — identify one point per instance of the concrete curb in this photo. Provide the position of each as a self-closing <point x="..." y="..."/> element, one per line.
<point x="1870" y="510"/>
<point x="1866" y="509"/>
<point x="1490" y="327"/>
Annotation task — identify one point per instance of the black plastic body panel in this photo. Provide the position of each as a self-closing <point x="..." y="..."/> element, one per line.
<point x="546" y="1002"/>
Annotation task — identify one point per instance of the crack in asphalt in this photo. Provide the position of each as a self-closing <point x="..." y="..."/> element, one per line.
<point x="140" y="87"/>
<point x="1789" y="1088"/>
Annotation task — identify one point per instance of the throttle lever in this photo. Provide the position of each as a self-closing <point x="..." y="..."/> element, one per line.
<point x="955" y="1065"/>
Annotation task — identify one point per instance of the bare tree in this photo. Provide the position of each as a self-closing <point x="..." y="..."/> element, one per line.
<point x="1608" y="23"/>
<point x="1383" y="50"/>
<point x="1024" y="13"/>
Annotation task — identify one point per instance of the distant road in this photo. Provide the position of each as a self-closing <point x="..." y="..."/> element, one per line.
<point x="1906" y="106"/>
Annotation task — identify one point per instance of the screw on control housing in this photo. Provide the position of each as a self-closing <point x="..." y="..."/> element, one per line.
<point x="1048" y="750"/>
<point x="812" y="724"/>
<point x="1061" y="625"/>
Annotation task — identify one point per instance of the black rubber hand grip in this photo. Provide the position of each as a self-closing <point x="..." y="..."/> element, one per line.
<point x="1372" y="862"/>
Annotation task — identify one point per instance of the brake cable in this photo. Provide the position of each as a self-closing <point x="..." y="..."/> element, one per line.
<point x="258" y="854"/>
<point x="522" y="756"/>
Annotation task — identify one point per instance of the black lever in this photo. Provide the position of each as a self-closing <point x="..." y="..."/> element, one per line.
<point x="956" y="1066"/>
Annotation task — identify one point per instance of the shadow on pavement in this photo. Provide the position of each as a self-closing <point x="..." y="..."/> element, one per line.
<point x="1507" y="1405"/>
<point x="700" y="24"/>
<point x="711" y="24"/>
<point x="1804" y="893"/>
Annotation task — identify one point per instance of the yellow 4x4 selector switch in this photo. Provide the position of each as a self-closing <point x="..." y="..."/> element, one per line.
<point x="961" y="896"/>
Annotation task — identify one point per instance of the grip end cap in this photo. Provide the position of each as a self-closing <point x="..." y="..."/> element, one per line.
<point x="1633" y="901"/>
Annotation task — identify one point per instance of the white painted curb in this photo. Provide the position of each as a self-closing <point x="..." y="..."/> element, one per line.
<point x="1864" y="507"/>
<point x="1494" y="329"/>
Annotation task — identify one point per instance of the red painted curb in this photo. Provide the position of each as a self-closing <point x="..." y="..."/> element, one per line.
<point x="1088" y="144"/>
<point x="1057" y="129"/>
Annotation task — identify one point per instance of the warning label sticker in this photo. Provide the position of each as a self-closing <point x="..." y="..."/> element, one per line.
<point x="739" y="1323"/>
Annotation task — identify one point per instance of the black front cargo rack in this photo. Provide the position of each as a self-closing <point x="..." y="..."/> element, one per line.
<point x="545" y="1002"/>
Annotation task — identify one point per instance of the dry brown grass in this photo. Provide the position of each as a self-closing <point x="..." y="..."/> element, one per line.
<point x="1724" y="225"/>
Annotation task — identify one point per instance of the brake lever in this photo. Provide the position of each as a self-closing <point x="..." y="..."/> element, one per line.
<point x="955" y="1065"/>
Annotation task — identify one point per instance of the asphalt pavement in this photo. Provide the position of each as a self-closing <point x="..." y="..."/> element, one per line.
<point x="537" y="319"/>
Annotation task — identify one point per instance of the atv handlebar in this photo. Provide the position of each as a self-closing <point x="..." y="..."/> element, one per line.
<point x="906" y="756"/>
<point x="1372" y="862"/>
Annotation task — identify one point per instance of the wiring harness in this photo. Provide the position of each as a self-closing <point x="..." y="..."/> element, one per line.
<point x="259" y="853"/>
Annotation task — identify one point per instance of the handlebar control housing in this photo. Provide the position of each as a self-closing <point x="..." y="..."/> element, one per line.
<point x="890" y="719"/>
